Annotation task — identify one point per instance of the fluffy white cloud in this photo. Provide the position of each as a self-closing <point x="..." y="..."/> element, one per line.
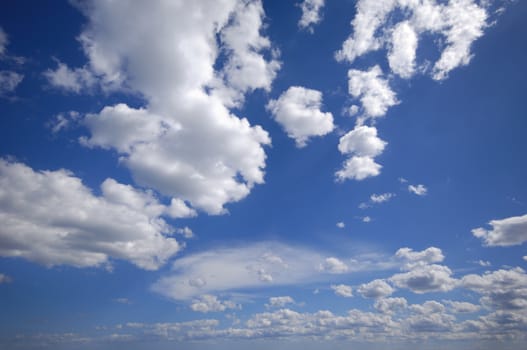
<point x="63" y="121"/>
<point x="462" y="307"/>
<point x="504" y="290"/>
<point x="298" y="111"/>
<point x="333" y="265"/>
<point x="428" y="256"/>
<point x="362" y="141"/>
<point x="210" y="303"/>
<point x="402" y="52"/>
<point x="460" y="22"/>
<point x="9" y="80"/>
<point x="505" y="232"/>
<point x="424" y="279"/>
<point x="375" y="289"/>
<point x="280" y="301"/>
<point x="4" y="278"/>
<point x="341" y="224"/>
<point x="366" y="219"/>
<point x="184" y="142"/>
<point x="342" y="290"/>
<point x="372" y="90"/>
<point x="390" y="305"/>
<point x="363" y="144"/>
<point x="310" y="13"/>
<point x="50" y="217"/>
<point x="419" y="190"/>
<point x="74" y="80"/>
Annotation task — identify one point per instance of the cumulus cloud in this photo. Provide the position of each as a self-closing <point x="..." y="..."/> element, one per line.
<point x="424" y="279"/>
<point x="412" y="258"/>
<point x="341" y="224"/>
<point x="184" y="142"/>
<point x="280" y="301"/>
<point x="381" y="198"/>
<point x="372" y="90"/>
<point x="419" y="190"/>
<point x="74" y="80"/>
<point x="402" y="51"/>
<point x="310" y="13"/>
<point x="334" y="266"/>
<point x="210" y="303"/>
<point x="3" y="41"/>
<point x="366" y="219"/>
<point x="362" y="144"/>
<point x="51" y="218"/>
<point x="390" y="305"/>
<point x="298" y="111"/>
<point x="375" y="289"/>
<point x="342" y="290"/>
<point x="459" y="22"/>
<point x="505" y="232"/>
<point x="462" y="307"/>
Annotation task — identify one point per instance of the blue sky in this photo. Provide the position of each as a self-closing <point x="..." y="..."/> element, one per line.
<point x="273" y="174"/>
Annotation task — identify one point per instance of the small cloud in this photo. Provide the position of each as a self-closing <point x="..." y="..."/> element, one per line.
<point x="334" y="266"/>
<point x="525" y="258"/>
<point x="210" y="303"/>
<point x="402" y="180"/>
<point x="419" y="190"/>
<point x="63" y="121"/>
<point x="123" y="301"/>
<point x="279" y="301"/>
<point x="5" y="279"/>
<point x="342" y="290"/>
<point x="340" y="224"/>
<point x="185" y="232"/>
<point x="484" y="263"/>
<point x="366" y="219"/>
<point x="381" y="198"/>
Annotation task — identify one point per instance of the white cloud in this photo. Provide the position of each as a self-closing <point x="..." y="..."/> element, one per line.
<point x="51" y="218"/>
<point x="462" y="307"/>
<point x="362" y="141"/>
<point x="426" y="278"/>
<point x="372" y="90"/>
<point x="428" y="256"/>
<point x="390" y="305"/>
<point x="419" y="190"/>
<point x="358" y="168"/>
<point x="63" y="121"/>
<point x="334" y="266"/>
<point x="375" y="289"/>
<point x="484" y="263"/>
<point x="340" y="224"/>
<point x="220" y="270"/>
<point x="185" y="232"/>
<point x="210" y="303"/>
<point x="74" y="80"/>
<point x="403" y="49"/>
<point x="310" y="13"/>
<point x="184" y="142"/>
<point x="525" y="258"/>
<point x="4" y="278"/>
<point x="505" y="232"/>
<point x="280" y="301"/>
<point x="460" y="22"/>
<point x="9" y="80"/>
<point x="363" y="144"/>
<point x="298" y="111"/>
<point x="504" y="290"/>
<point x="3" y="41"/>
<point x="381" y="198"/>
<point x="366" y="219"/>
<point x="342" y="290"/>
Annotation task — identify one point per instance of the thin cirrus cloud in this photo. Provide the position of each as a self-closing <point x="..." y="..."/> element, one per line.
<point x="459" y="23"/>
<point x="185" y="142"/>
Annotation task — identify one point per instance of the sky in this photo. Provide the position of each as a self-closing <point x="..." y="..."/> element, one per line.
<point x="300" y="174"/>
